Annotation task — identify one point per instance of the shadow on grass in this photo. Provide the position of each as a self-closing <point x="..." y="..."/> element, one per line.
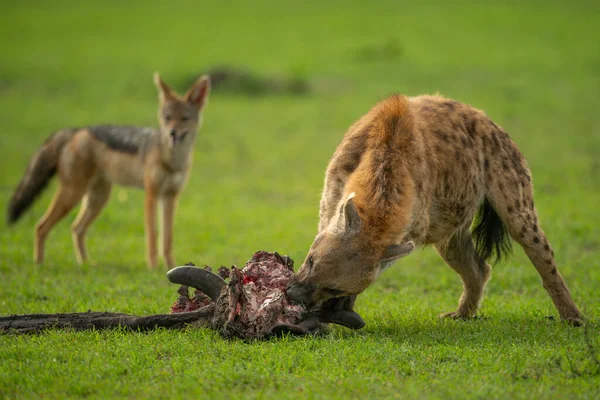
<point x="242" y="81"/>
<point x="388" y="51"/>
<point x="507" y="330"/>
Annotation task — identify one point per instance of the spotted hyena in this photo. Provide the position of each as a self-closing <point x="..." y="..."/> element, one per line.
<point x="416" y="171"/>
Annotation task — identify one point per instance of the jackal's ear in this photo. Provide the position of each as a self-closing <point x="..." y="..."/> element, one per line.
<point x="349" y="218"/>
<point x="197" y="94"/>
<point x="396" y="251"/>
<point x="164" y="91"/>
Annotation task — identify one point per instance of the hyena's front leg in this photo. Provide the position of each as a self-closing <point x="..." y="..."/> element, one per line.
<point x="344" y="162"/>
<point x="332" y="194"/>
<point x="459" y="253"/>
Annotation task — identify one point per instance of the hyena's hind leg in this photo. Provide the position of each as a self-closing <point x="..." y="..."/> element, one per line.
<point x="459" y="253"/>
<point x="524" y="227"/>
<point x="94" y="201"/>
<point x="510" y="191"/>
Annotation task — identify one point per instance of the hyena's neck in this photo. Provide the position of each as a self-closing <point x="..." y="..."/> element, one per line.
<point x="383" y="224"/>
<point x="384" y="191"/>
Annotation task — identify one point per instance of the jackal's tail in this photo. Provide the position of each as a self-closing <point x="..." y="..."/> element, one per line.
<point x="489" y="234"/>
<point x="40" y="170"/>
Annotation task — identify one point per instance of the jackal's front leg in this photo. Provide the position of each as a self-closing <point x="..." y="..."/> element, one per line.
<point x="169" y="204"/>
<point x="150" y="203"/>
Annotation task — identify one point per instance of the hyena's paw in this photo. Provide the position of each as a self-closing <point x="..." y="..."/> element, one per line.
<point x="457" y="315"/>
<point x="575" y="320"/>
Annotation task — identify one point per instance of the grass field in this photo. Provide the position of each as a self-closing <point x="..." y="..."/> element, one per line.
<point x="534" y="66"/>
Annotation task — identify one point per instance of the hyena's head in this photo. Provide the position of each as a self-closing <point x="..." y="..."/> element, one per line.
<point x="342" y="260"/>
<point x="180" y="117"/>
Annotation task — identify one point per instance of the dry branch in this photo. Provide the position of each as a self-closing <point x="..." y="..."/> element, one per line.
<point x="34" y="323"/>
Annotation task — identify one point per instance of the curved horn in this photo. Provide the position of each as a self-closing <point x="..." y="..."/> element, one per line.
<point x="201" y="279"/>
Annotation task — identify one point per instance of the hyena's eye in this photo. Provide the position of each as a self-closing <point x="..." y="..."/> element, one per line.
<point x="183" y="119"/>
<point x="167" y="118"/>
<point x="310" y="262"/>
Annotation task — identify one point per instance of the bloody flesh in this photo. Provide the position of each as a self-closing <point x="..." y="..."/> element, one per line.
<point x="253" y="303"/>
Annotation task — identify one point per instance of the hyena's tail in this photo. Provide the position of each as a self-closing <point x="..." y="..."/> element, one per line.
<point x="40" y="170"/>
<point x="489" y="234"/>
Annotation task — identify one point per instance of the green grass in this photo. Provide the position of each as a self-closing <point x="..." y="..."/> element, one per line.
<point x="533" y="66"/>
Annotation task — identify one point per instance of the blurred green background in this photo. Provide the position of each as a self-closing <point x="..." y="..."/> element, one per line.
<point x="533" y="66"/>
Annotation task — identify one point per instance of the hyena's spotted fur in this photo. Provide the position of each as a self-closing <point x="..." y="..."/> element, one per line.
<point x="419" y="169"/>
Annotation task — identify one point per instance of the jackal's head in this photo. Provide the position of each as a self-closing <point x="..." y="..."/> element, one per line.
<point x="342" y="260"/>
<point x="180" y="117"/>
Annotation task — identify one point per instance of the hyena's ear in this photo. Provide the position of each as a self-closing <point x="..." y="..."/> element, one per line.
<point x="349" y="220"/>
<point x="396" y="251"/>
<point x="164" y="91"/>
<point x="197" y="94"/>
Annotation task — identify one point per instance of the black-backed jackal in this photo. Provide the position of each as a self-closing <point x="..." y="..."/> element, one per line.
<point x="88" y="161"/>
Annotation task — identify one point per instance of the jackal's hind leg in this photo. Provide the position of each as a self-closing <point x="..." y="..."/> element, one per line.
<point x="459" y="253"/>
<point x="93" y="202"/>
<point x="66" y="197"/>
